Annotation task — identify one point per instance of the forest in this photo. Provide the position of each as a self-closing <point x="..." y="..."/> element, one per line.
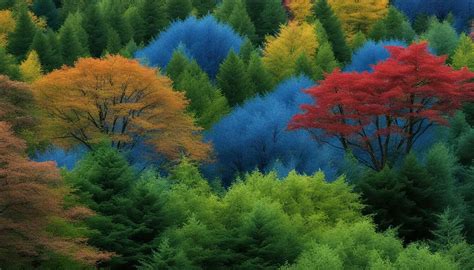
<point x="237" y="134"/>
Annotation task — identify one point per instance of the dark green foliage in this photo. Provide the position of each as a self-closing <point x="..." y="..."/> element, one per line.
<point x="129" y="212"/>
<point x="8" y="65"/>
<point x="45" y="52"/>
<point x="113" y="41"/>
<point x="154" y="15"/>
<point x="137" y="24"/>
<point x="47" y="9"/>
<point x="177" y="65"/>
<point x="267" y="16"/>
<point x="421" y="23"/>
<point x="333" y="28"/>
<point x="96" y="28"/>
<point x="304" y="66"/>
<point x="120" y="25"/>
<point x="178" y="9"/>
<point x="259" y="76"/>
<point x="19" y="41"/>
<point x="246" y="51"/>
<point x="448" y="232"/>
<point x="394" y="26"/>
<point x="203" y="7"/>
<point x="234" y="13"/>
<point x="234" y="81"/>
<point x="465" y="148"/>
<point x="4" y="4"/>
<point x="56" y="60"/>
<point x="71" y="48"/>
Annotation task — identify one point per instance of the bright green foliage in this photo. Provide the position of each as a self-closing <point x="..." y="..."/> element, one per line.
<point x="233" y="80"/>
<point x="234" y="13"/>
<point x="19" y="41"/>
<point x="419" y="257"/>
<point x="325" y="62"/>
<point x="206" y="102"/>
<point x="259" y="76"/>
<point x="442" y="37"/>
<point x="331" y="23"/>
<point x="8" y="65"/>
<point x="178" y="9"/>
<point x="177" y="65"/>
<point x="96" y="28"/>
<point x="129" y="49"/>
<point x="317" y="257"/>
<point x="246" y="51"/>
<point x="153" y="13"/>
<point x="464" y="53"/>
<point x="47" y="9"/>
<point x="166" y="257"/>
<point x="358" y="40"/>
<point x="394" y="26"/>
<point x="303" y="66"/>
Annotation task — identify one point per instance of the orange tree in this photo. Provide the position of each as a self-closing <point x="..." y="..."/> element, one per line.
<point x="118" y="99"/>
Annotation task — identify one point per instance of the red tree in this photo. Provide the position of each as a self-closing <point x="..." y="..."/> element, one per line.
<point x="382" y="114"/>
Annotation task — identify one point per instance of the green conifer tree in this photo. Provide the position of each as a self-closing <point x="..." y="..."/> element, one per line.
<point x="177" y="65"/>
<point x="19" y="41"/>
<point x="8" y="65"/>
<point x="47" y="9"/>
<point x="153" y="13"/>
<point x="259" y="75"/>
<point x="71" y="48"/>
<point x="325" y="62"/>
<point x="233" y="80"/>
<point x="246" y="51"/>
<point x="358" y="40"/>
<point x="97" y="30"/>
<point x="137" y="23"/>
<point x="113" y="42"/>
<point x="304" y="66"/>
<point x="178" y="9"/>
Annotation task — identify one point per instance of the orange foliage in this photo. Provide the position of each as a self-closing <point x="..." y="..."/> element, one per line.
<point x="31" y="195"/>
<point x="119" y="99"/>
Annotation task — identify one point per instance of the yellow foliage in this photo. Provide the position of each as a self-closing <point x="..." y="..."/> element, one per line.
<point x="300" y="9"/>
<point x="7" y="25"/>
<point x="39" y="22"/>
<point x="281" y="52"/>
<point x="30" y="69"/>
<point x="359" y="15"/>
<point x="119" y="99"/>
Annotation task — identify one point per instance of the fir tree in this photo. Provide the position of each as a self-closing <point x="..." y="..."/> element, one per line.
<point x="96" y="28"/>
<point x="137" y="24"/>
<point x="19" y="41"/>
<point x="259" y="76"/>
<point x="304" y="66"/>
<point x="325" y="62"/>
<point x="234" y="13"/>
<point x="177" y="65"/>
<point x="449" y="230"/>
<point x="30" y="69"/>
<point x="421" y="23"/>
<point x="246" y="51"/>
<point x="47" y="9"/>
<point x="153" y="13"/>
<point x="71" y="48"/>
<point x="121" y="25"/>
<point x="333" y="28"/>
<point x="394" y="26"/>
<point x="178" y="9"/>
<point x="8" y="65"/>
<point x="56" y="59"/>
<point x="233" y="80"/>
<point x="113" y="41"/>
<point x="272" y="16"/>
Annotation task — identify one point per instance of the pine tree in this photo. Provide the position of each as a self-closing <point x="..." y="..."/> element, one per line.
<point x="394" y="26"/>
<point x="331" y="23"/>
<point x="30" y="69"/>
<point x="448" y="232"/>
<point x="71" y="48"/>
<point x="304" y="66"/>
<point x="233" y="80"/>
<point x="153" y="13"/>
<point x="55" y="45"/>
<point x="137" y="24"/>
<point x="19" y="41"/>
<point x="8" y="65"/>
<point x="235" y="13"/>
<point x="45" y="53"/>
<point x="177" y="65"/>
<point x="325" y="62"/>
<point x="47" y="9"/>
<point x="129" y="49"/>
<point x="113" y="41"/>
<point x="246" y="51"/>
<point x="259" y="75"/>
<point x="358" y="41"/>
<point x="75" y="21"/>
<point x="120" y="24"/>
<point x="96" y="28"/>
<point x="178" y="9"/>
<point x="421" y="23"/>
<point x="271" y="18"/>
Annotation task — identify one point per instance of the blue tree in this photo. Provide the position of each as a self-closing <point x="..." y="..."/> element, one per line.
<point x="206" y="40"/>
<point x="370" y="54"/>
<point x="255" y="136"/>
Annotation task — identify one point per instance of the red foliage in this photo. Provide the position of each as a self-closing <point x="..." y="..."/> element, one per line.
<point x="389" y="108"/>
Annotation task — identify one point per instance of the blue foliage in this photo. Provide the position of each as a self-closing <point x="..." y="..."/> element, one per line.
<point x="370" y="54"/>
<point x="255" y="136"/>
<point x="63" y="158"/>
<point x="206" y="40"/>
<point x="463" y="10"/>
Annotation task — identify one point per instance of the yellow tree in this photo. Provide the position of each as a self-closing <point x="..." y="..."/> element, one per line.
<point x="118" y="99"/>
<point x="300" y="9"/>
<point x="282" y="52"/>
<point x="464" y="53"/>
<point x="7" y="25"/>
<point x="30" y="69"/>
<point x="359" y="15"/>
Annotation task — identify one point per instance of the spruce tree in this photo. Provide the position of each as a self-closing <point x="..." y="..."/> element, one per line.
<point x="303" y="66"/>
<point x="325" y="62"/>
<point x="44" y="51"/>
<point x="272" y="16"/>
<point x="8" y="65"/>
<point x="137" y="24"/>
<point x="333" y="28"/>
<point x="19" y="41"/>
<point x="246" y="51"/>
<point x="153" y="13"/>
<point x="71" y="48"/>
<point x="394" y="26"/>
<point x="178" y="9"/>
<point x="56" y="58"/>
<point x="233" y="80"/>
<point x="129" y="49"/>
<point x="234" y="13"/>
<point x="421" y="23"/>
<point x="448" y="232"/>
<point x="120" y="24"/>
<point x="177" y="65"/>
<point x="47" y="9"/>
<point x="97" y="30"/>
<point x="113" y="41"/>
<point x="259" y="76"/>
